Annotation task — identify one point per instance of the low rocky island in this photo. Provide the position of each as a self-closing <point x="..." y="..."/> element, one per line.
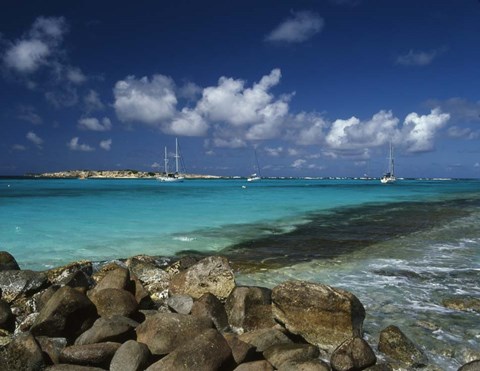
<point x="145" y="314"/>
<point x="113" y="174"/>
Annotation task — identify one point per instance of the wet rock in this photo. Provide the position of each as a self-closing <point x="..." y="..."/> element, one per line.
<point x="208" y="351"/>
<point x="471" y="366"/>
<point x="7" y="320"/>
<point x="23" y="353"/>
<point x="241" y="351"/>
<point x="164" y="332"/>
<point x="278" y="354"/>
<point x="306" y="365"/>
<point x="462" y="303"/>
<point x="265" y="338"/>
<point x="8" y="262"/>
<point x="210" y="275"/>
<point x="394" y="343"/>
<point x="60" y="274"/>
<point x="15" y="283"/>
<point x="114" y="302"/>
<point x="97" y="355"/>
<point x="182" y="264"/>
<point x="261" y="365"/>
<point x="180" y="303"/>
<point x="114" y="329"/>
<point x="210" y="307"/>
<point x="353" y="354"/>
<point x="131" y="356"/>
<point x="68" y="313"/>
<point x="322" y="315"/>
<point x="249" y="308"/>
<point x="52" y="347"/>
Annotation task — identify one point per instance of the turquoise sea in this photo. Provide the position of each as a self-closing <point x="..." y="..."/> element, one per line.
<point x="401" y="248"/>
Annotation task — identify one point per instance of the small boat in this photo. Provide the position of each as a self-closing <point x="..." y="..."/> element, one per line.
<point x="389" y="176"/>
<point x="169" y="177"/>
<point x="255" y="176"/>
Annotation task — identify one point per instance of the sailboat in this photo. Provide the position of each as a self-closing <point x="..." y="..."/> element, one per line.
<point x="168" y="177"/>
<point x="256" y="175"/>
<point x="389" y="176"/>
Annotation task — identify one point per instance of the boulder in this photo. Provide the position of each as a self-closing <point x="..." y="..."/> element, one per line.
<point x="52" y="347"/>
<point x="249" y="308"/>
<point x="114" y="329"/>
<point x="210" y="307"/>
<point x="131" y="356"/>
<point x="7" y="320"/>
<point x="261" y="365"/>
<point x="68" y="313"/>
<point x="182" y="264"/>
<point x="114" y="302"/>
<point x="462" y="303"/>
<point x="118" y="278"/>
<point x="23" y="353"/>
<point x="164" y="332"/>
<point x="8" y="262"/>
<point x="264" y="338"/>
<point x="305" y="365"/>
<point x="210" y="275"/>
<point x="394" y="343"/>
<point x="353" y="354"/>
<point x="77" y="279"/>
<point x="96" y="355"/>
<point x="208" y="351"/>
<point x="470" y="366"/>
<point x="241" y="351"/>
<point x="153" y="278"/>
<point x="16" y="283"/>
<point x="324" y="316"/>
<point x="60" y="274"/>
<point x="278" y="354"/>
<point x="67" y="367"/>
<point x="180" y="303"/>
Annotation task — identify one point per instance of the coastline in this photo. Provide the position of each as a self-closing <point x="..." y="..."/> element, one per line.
<point x="113" y="174"/>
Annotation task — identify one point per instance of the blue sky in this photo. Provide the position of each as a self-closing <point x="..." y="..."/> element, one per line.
<point x="317" y="88"/>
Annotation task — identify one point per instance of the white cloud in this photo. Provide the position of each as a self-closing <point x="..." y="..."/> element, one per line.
<point x="27" y="56"/>
<point x="28" y="113"/>
<point x="229" y="143"/>
<point x="146" y="101"/>
<point x="92" y="102"/>
<point x="49" y="28"/>
<point x="311" y="128"/>
<point x="419" y="131"/>
<point x="34" y="138"/>
<point x="75" y="75"/>
<point x="106" y="144"/>
<point x="75" y="146"/>
<point x="461" y="110"/>
<point x="299" y="28"/>
<point x="189" y="91"/>
<point x="92" y="123"/>
<point x="19" y="147"/>
<point x="419" y="58"/>
<point x="274" y="152"/>
<point x="299" y="163"/>
<point x="187" y="123"/>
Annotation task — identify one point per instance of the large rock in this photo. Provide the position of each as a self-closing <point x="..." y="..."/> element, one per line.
<point x="394" y="343"/>
<point x="114" y="302"/>
<point x="67" y="367"/>
<point x="153" y="279"/>
<point x="118" y="278"/>
<point x="353" y="354"/>
<point x="210" y="275"/>
<point x="462" y="303"/>
<point x="260" y="365"/>
<point x="8" y="262"/>
<point x="210" y="307"/>
<point x="96" y="355"/>
<point x="241" y="351"/>
<point x="208" y="351"/>
<point x="114" y="329"/>
<point x="305" y="365"/>
<point x="131" y="356"/>
<point x="52" y="347"/>
<point x="180" y="303"/>
<point x="15" y="283"/>
<point x="163" y="332"/>
<point x="322" y="315"/>
<point x="265" y="338"/>
<point x="60" y="274"/>
<point x="7" y="320"/>
<point x="249" y="308"/>
<point x="23" y="353"/>
<point x="68" y="313"/>
<point x="470" y="366"/>
<point x="279" y="354"/>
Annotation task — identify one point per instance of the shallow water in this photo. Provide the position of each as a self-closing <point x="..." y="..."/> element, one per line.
<point x="401" y="248"/>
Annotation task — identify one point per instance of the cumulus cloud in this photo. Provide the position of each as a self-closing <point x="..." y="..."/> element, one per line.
<point x="299" y="163"/>
<point x="187" y="123"/>
<point x="465" y="133"/>
<point x="310" y="130"/>
<point x="75" y="75"/>
<point x="34" y="138"/>
<point x="273" y="151"/>
<point x="106" y="144"/>
<point x="419" y="131"/>
<point x="74" y="145"/>
<point x="146" y="101"/>
<point x="461" y="110"/>
<point x="300" y="27"/>
<point x="419" y="58"/>
<point x="92" y="123"/>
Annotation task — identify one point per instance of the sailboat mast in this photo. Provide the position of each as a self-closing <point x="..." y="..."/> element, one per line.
<point x="391" y="160"/>
<point x="166" y="161"/>
<point x="176" y="156"/>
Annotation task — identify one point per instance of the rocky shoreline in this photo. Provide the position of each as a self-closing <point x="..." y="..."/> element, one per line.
<point x="145" y="314"/>
<point x="113" y="174"/>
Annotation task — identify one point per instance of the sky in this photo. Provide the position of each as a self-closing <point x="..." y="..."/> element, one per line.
<point x="313" y="87"/>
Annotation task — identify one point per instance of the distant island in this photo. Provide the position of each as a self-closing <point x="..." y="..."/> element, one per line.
<point x="114" y="174"/>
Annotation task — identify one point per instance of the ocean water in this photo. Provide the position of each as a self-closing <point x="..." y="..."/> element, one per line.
<point x="402" y="248"/>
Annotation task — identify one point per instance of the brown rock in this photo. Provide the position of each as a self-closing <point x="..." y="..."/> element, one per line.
<point x="16" y="283"/>
<point x="116" y="329"/>
<point x="164" y="332"/>
<point x="180" y="303"/>
<point x="210" y="275"/>
<point x="307" y="365"/>
<point x="111" y="302"/>
<point x="462" y="303"/>
<point x="470" y="366"/>
<point x="131" y="356"/>
<point x="97" y="355"/>
<point x="278" y="354"/>
<point x="59" y="274"/>
<point x="52" y="347"/>
<point x="208" y="351"/>
<point x="24" y="353"/>
<point x="322" y="315"/>
<point x="264" y="338"/>
<point x="8" y="262"/>
<point x="394" y="343"/>
<point x="118" y="278"/>
<point x="210" y="307"/>
<point x="66" y="367"/>
<point x="7" y="320"/>
<point x="241" y="351"/>
<point x="353" y="354"/>
<point x="261" y="365"/>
